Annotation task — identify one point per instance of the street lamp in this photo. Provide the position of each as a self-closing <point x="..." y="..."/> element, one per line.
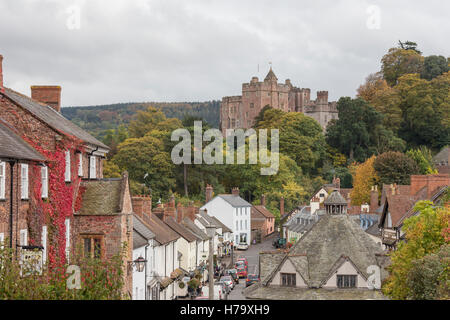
<point x="139" y="263"/>
<point x="211" y="232"/>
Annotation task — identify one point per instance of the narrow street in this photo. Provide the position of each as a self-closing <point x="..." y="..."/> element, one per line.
<point x="252" y="255"/>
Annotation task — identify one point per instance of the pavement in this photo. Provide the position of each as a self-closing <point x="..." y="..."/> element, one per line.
<point x="252" y="255"/>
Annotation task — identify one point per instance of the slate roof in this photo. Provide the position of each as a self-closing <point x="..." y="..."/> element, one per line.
<point x="271" y="75"/>
<point x="221" y="225"/>
<point x="14" y="147"/>
<point x="333" y="236"/>
<point x="335" y="198"/>
<point x="194" y="229"/>
<point x="52" y="117"/>
<point x="443" y="156"/>
<point x="99" y="197"/>
<point x="235" y="201"/>
<point x="180" y="229"/>
<point x="141" y="233"/>
<point x="374" y="230"/>
<point x="163" y="233"/>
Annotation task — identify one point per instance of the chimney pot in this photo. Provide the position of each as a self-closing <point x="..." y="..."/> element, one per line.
<point x="49" y="95"/>
<point x="263" y="200"/>
<point x="208" y="192"/>
<point x="235" y="191"/>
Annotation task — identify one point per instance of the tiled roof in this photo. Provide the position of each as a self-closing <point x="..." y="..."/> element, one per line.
<point x="53" y="118"/>
<point x="142" y="229"/>
<point x="163" y="233"/>
<point x="194" y="229"/>
<point x="180" y="229"/>
<point x="221" y="225"/>
<point x="263" y="210"/>
<point x="14" y="147"/>
<point x="235" y="201"/>
<point x="138" y="240"/>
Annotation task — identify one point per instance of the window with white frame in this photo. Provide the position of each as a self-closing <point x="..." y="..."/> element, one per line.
<point x="80" y="164"/>
<point x="23" y="237"/>
<point x="2" y="239"/>
<point x="67" y="173"/>
<point x="24" y="181"/>
<point x="2" y="179"/>
<point x="44" y="181"/>
<point x="67" y="224"/>
<point x="237" y="225"/>
<point x="93" y="167"/>
<point x="44" y="244"/>
<point x="241" y="224"/>
<point x="245" y="224"/>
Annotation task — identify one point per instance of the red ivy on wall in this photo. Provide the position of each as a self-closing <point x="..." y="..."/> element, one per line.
<point x="59" y="205"/>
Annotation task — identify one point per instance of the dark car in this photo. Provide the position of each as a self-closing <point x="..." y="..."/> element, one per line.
<point x="233" y="274"/>
<point x="251" y="279"/>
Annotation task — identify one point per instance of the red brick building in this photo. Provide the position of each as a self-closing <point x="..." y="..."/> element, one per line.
<point x="66" y="177"/>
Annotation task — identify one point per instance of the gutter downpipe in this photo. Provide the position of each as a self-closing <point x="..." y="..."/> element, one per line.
<point x="11" y="178"/>
<point x="145" y="281"/>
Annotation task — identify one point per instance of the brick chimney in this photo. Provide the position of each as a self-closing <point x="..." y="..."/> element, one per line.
<point x="263" y="200"/>
<point x="142" y="206"/>
<point x="208" y="193"/>
<point x="50" y="95"/>
<point x="1" y="74"/>
<point x="180" y="212"/>
<point x="337" y="182"/>
<point x="235" y="191"/>
<point x="373" y="199"/>
<point x="281" y="206"/>
<point x="432" y="182"/>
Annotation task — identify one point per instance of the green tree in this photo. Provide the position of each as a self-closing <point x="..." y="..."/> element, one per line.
<point x="425" y="234"/>
<point x="146" y="121"/>
<point x="395" y="167"/>
<point x="147" y="162"/>
<point x="434" y="66"/>
<point x="423" y="159"/>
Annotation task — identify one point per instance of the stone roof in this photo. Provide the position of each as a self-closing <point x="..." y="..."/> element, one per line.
<point x="335" y="198"/>
<point x="180" y="229"/>
<point x="194" y="229"/>
<point x="14" y="147"/>
<point x="264" y="211"/>
<point x="258" y="291"/>
<point x="52" y="117"/>
<point x="234" y="200"/>
<point x="374" y="230"/>
<point x="333" y="236"/>
<point x="100" y="197"/>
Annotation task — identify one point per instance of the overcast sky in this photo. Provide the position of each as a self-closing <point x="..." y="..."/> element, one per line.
<point x="189" y="50"/>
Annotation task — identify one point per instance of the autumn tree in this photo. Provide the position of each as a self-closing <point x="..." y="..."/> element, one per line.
<point x="425" y="235"/>
<point x="364" y="177"/>
<point x="398" y="62"/>
<point x="395" y="167"/>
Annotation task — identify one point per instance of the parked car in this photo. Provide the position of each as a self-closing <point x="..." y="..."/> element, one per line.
<point x="220" y="291"/>
<point x="242" y="258"/>
<point x="251" y="279"/>
<point x="242" y="272"/>
<point x="225" y="286"/>
<point x="228" y="281"/>
<point x="240" y="264"/>
<point x="233" y="274"/>
<point x="279" y="243"/>
<point x="242" y="246"/>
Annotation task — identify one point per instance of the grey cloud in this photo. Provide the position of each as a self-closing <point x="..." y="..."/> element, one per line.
<point x="174" y="50"/>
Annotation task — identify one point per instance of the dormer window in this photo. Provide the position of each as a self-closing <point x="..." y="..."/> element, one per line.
<point x="346" y="281"/>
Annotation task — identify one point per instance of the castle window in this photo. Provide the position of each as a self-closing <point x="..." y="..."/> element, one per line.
<point x="246" y="114"/>
<point x="288" y="279"/>
<point x="268" y="93"/>
<point x="252" y="105"/>
<point x="346" y="281"/>
<point x="233" y="123"/>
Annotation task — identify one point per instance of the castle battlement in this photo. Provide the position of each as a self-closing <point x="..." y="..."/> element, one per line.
<point x="240" y="111"/>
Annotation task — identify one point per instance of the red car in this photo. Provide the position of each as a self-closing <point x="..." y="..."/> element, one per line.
<point x="242" y="259"/>
<point x="241" y="264"/>
<point x="242" y="272"/>
<point x="251" y="279"/>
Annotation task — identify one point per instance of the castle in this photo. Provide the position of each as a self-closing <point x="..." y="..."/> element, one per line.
<point x="240" y="111"/>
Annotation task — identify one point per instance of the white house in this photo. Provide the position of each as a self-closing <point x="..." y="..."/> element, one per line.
<point x="142" y="241"/>
<point x="234" y="212"/>
<point x="202" y="241"/>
